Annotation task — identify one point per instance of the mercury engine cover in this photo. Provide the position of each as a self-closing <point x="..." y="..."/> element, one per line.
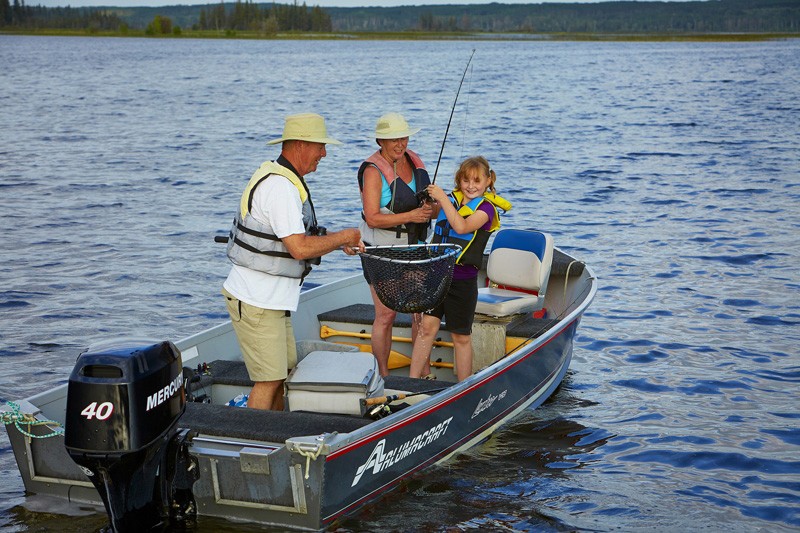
<point x="124" y="400"/>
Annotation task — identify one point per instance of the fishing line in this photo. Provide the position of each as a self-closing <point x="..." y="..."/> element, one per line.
<point x="435" y="172"/>
<point x="466" y="113"/>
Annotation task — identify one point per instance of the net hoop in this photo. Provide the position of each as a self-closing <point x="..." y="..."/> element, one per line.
<point x="410" y="278"/>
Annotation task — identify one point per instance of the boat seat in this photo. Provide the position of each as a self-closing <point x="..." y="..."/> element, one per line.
<point x="364" y="314"/>
<point x="518" y="270"/>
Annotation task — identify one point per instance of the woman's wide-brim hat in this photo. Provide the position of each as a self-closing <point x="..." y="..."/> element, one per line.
<point x="308" y="127"/>
<point x="393" y="126"/>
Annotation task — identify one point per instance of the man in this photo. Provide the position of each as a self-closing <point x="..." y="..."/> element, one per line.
<point x="273" y="243"/>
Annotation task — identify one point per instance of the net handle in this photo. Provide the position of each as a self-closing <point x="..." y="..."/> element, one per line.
<point x="405" y="246"/>
<point x="452" y="249"/>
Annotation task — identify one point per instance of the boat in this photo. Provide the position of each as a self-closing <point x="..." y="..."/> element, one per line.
<point x="347" y="437"/>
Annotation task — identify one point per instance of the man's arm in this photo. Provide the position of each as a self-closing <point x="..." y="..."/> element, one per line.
<point x="303" y="246"/>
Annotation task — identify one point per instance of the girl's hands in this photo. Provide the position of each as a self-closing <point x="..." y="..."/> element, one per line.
<point x="437" y="193"/>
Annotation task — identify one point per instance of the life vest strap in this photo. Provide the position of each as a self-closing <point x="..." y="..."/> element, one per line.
<point x="262" y="252"/>
<point x="255" y="233"/>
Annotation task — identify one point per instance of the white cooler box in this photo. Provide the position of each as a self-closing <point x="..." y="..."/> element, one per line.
<point x="333" y="382"/>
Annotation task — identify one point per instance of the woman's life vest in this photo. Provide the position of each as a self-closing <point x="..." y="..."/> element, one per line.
<point x="253" y="244"/>
<point x="401" y="199"/>
<point x="472" y="244"/>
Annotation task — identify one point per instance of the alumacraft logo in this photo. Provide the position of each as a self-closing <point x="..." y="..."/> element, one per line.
<point x="379" y="460"/>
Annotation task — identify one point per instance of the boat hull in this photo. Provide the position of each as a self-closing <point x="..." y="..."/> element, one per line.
<point x="441" y="427"/>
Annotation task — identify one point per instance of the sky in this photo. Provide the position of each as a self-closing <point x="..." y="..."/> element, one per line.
<point x="309" y="3"/>
<point x="387" y="3"/>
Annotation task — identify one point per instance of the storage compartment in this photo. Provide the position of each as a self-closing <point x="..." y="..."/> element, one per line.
<point x="333" y="382"/>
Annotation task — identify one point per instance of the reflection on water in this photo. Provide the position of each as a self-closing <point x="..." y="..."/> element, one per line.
<point x="670" y="167"/>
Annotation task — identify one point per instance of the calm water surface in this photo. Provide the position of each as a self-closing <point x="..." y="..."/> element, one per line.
<point x="672" y="168"/>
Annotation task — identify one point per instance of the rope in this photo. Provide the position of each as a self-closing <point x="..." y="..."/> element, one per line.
<point x="19" y="419"/>
<point x="309" y="455"/>
<point x="566" y="276"/>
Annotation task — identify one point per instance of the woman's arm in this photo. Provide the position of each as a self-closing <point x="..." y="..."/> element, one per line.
<point x="371" y="201"/>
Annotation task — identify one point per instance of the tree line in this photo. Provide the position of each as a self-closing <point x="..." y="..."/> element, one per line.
<point x="714" y="16"/>
<point x="241" y="15"/>
<point x="711" y="16"/>
<point x="265" y="19"/>
<point x="19" y="15"/>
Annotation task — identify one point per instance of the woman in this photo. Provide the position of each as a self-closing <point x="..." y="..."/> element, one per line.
<point x="389" y="181"/>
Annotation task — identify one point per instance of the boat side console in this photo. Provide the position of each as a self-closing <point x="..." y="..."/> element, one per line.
<point x="124" y="401"/>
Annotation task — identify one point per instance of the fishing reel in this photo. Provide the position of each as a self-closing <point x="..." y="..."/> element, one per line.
<point x="385" y="409"/>
<point x="423" y="197"/>
<point x="379" y="411"/>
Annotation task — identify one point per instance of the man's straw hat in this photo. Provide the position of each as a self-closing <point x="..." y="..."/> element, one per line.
<point x="393" y="126"/>
<point x="308" y="127"/>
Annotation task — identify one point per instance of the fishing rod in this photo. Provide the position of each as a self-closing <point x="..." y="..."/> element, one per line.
<point x="435" y="172"/>
<point x="400" y="396"/>
<point x="377" y="408"/>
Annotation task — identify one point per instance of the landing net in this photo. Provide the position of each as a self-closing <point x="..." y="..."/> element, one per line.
<point x="410" y="278"/>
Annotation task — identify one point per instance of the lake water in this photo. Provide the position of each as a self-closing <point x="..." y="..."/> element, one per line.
<point x="672" y="168"/>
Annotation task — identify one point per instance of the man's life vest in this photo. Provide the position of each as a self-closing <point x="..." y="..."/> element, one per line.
<point x="401" y="200"/>
<point x="253" y="244"/>
<point x="472" y="244"/>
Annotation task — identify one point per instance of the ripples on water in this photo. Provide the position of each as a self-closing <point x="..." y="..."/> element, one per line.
<point x="672" y="168"/>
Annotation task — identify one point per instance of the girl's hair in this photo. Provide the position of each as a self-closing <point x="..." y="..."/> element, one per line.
<point x="478" y="163"/>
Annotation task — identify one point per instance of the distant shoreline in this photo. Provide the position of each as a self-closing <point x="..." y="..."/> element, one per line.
<point x="425" y="36"/>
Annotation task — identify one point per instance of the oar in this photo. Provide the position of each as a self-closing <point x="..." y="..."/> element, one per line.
<point x="396" y="359"/>
<point x="326" y="331"/>
<point x="512" y="343"/>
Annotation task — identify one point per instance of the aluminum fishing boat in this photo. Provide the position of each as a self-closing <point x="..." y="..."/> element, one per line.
<point x="150" y="433"/>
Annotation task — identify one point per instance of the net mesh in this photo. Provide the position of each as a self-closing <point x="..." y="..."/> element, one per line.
<point x="410" y="279"/>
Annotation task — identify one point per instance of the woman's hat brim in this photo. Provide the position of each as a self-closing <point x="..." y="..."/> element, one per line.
<point x="398" y="134"/>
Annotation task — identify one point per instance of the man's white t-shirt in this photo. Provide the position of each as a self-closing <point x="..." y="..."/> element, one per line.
<point x="276" y="202"/>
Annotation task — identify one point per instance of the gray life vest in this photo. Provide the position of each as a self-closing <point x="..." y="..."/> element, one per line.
<point x="253" y="244"/>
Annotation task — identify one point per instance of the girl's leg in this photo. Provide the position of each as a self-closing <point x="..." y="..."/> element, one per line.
<point x="423" y="344"/>
<point x="462" y="346"/>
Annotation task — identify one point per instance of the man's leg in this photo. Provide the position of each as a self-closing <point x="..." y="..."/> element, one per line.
<point x="266" y="395"/>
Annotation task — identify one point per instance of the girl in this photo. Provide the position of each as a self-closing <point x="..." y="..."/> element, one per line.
<point x="467" y="217"/>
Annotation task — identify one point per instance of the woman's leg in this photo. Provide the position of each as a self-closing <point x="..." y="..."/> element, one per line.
<point x="416" y="325"/>
<point x="423" y="344"/>
<point x="382" y="333"/>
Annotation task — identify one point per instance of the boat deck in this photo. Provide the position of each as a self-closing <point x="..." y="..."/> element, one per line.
<point x="273" y="426"/>
<point x="364" y="314"/>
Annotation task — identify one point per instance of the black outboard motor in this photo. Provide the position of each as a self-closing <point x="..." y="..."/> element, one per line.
<point x="124" y="400"/>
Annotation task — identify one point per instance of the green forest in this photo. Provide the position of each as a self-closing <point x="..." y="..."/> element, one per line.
<point x="265" y="20"/>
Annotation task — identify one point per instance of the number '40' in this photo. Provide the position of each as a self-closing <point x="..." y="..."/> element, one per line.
<point x="100" y="412"/>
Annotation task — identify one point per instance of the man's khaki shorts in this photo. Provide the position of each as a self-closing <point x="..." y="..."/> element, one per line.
<point x="266" y="339"/>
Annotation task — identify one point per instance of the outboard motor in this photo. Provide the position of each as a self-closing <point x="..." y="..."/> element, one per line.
<point x="124" y="400"/>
